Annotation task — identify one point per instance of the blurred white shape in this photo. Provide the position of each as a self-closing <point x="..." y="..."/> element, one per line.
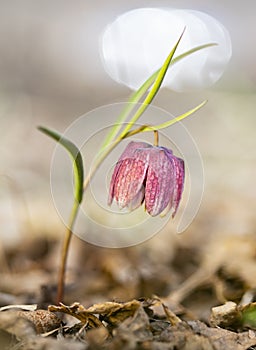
<point x="137" y="43"/>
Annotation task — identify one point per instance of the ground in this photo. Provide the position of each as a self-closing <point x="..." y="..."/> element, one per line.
<point x="126" y="299"/>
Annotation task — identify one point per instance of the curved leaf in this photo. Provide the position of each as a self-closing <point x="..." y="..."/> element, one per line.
<point x="175" y="120"/>
<point x="76" y="158"/>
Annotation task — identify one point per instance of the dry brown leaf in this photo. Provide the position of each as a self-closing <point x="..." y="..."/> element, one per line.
<point x="171" y="317"/>
<point x="115" y="313"/>
<point x="133" y="329"/>
<point x="111" y="312"/>
<point x="78" y="311"/>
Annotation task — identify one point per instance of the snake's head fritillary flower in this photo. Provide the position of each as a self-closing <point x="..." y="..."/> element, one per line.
<point x="150" y="174"/>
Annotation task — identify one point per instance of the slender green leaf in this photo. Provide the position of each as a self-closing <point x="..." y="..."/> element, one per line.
<point x="76" y="158"/>
<point x="152" y="93"/>
<point x="175" y="120"/>
<point x="137" y="95"/>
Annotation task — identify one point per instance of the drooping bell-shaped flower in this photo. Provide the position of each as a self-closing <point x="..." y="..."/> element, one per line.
<point x="150" y="174"/>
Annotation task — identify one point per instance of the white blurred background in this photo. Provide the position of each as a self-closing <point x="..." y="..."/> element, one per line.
<point x="51" y="73"/>
<point x="50" y="48"/>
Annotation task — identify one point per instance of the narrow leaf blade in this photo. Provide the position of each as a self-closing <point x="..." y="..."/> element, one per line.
<point x="76" y="158"/>
<point x="175" y="120"/>
<point x="152" y="93"/>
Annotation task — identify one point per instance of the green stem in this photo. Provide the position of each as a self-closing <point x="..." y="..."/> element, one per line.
<point x="64" y="252"/>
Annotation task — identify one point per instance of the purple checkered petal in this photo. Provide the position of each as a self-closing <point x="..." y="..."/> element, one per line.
<point x="179" y="183"/>
<point x="159" y="181"/>
<point x="137" y="200"/>
<point x="178" y="180"/>
<point x="128" y="153"/>
<point x="129" y="175"/>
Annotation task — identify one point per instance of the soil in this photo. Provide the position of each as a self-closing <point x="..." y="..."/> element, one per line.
<point x="190" y="296"/>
